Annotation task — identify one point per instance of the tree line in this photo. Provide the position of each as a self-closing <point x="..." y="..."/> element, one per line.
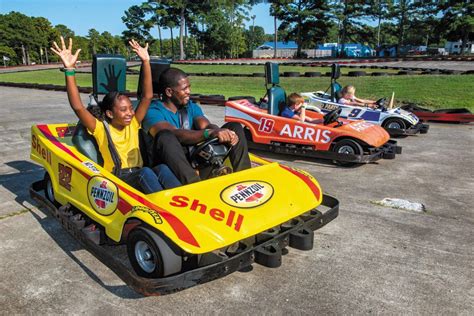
<point x="216" y="28"/>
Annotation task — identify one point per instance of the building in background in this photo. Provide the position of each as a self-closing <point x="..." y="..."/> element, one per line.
<point x="455" y="47"/>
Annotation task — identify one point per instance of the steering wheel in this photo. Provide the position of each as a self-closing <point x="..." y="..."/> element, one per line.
<point x="211" y="153"/>
<point x="381" y="103"/>
<point x="332" y="116"/>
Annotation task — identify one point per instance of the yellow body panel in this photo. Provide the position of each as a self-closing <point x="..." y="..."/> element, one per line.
<point x="199" y="217"/>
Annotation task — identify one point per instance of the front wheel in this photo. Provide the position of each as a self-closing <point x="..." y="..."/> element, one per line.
<point x="394" y="123"/>
<point x="150" y="255"/>
<point x="49" y="190"/>
<point x="347" y="146"/>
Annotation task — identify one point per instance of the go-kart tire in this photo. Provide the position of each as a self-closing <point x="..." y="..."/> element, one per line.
<point x="356" y="73"/>
<point x="150" y="255"/>
<point x="312" y="74"/>
<point x="248" y="134"/>
<point x="49" y="190"/>
<point x="347" y="146"/>
<point x="395" y="123"/>
<point x="291" y="74"/>
<point x="378" y="74"/>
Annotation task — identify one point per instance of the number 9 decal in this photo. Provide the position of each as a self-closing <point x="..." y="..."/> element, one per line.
<point x="354" y="112"/>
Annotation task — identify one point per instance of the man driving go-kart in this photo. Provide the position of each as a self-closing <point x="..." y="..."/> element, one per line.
<point x="175" y="121"/>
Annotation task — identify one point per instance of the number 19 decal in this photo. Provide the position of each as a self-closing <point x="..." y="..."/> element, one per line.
<point x="266" y="125"/>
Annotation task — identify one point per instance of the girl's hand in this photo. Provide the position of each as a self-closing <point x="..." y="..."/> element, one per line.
<point x="68" y="59"/>
<point x="142" y="52"/>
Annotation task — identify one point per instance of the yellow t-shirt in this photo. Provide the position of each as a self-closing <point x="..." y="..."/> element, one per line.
<point x="125" y="141"/>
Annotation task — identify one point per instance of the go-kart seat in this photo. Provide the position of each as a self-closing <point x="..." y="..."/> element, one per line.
<point x="335" y="86"/>
<point x="335" y="91"/>
<point x="108" y="74"/>
<point x="276" y="100"/>
<point x="85" y="143"/>
<point x="146" y="141"/>
<point x="276" y="95"/>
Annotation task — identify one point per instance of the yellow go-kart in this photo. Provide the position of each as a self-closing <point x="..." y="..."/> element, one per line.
<point x="184" y="236"/>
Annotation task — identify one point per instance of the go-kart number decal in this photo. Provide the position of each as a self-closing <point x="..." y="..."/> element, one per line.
<point x="354" y="112"/>
<point x="103" y="195"/>
<point x="230" y="218"/>
<point x="248" y="194"/>
<point x="65" y="176"/>
<point x="266" y="125"/>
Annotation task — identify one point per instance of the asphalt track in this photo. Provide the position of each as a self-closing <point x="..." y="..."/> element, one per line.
<point x="371" y="259"/>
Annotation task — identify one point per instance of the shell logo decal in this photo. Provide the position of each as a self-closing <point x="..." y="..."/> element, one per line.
<point x="247" y="194"/>
<point x="103" y="195"/>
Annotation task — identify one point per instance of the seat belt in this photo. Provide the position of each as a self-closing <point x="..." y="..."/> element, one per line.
<point x="113" y="151"/>
<point x="183" y="118"/>
<point x="184" y="124"/>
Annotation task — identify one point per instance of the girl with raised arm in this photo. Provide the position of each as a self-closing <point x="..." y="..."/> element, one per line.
<point x="121" y="122"/>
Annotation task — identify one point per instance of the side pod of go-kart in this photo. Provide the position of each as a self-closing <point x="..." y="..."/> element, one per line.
<point x="345" y="142"/>
<point x="180" y="237"/>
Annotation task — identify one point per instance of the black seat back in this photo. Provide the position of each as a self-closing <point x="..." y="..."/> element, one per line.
<point x="146" y="141"/>
<point x="157" y="68"/>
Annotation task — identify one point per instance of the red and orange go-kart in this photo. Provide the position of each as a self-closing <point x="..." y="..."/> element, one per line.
<point x="343" y="141"/>
<point x="180" y="237"/>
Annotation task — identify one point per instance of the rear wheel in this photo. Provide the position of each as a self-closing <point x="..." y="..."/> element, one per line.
<point x="394" y="123"/>
<point x="348" y="147"/>
<point x="150" y="255"/>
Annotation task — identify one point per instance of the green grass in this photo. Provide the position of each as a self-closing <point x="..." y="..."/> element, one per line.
<point x="433" y="91"/>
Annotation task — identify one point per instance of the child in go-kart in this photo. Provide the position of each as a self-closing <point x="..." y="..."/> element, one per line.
<point x="121" y="125"/>
<point x="348" y="98"/>
<point x="296" y="109"/>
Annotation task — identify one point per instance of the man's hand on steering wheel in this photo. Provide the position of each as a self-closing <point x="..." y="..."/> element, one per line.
<point x="225" y="135"/>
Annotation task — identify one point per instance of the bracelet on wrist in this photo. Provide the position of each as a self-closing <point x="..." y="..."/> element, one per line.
<point x="206" y="134"/>
<point x="69" y="71"/>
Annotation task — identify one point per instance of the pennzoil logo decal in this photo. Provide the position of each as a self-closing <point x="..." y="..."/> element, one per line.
<point x="156" y="217"/>
<point x="247" y="194"/>
<point x="103" y="195"/>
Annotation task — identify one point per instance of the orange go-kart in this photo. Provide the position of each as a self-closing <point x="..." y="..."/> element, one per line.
<point x="343" y="141"/>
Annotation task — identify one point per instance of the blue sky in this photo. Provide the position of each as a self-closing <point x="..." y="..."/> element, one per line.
<point x="82" y="15"/>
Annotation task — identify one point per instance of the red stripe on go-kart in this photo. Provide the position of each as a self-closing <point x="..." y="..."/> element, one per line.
<point x="124" y="207"/>
<point x="181" y="230"/>
<point x="312" y="186"/>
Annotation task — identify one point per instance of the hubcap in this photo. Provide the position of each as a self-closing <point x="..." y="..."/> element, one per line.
<point x="346" y="150"/>
<point x="145" y="257"/>
<point x="394" y="125"/>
